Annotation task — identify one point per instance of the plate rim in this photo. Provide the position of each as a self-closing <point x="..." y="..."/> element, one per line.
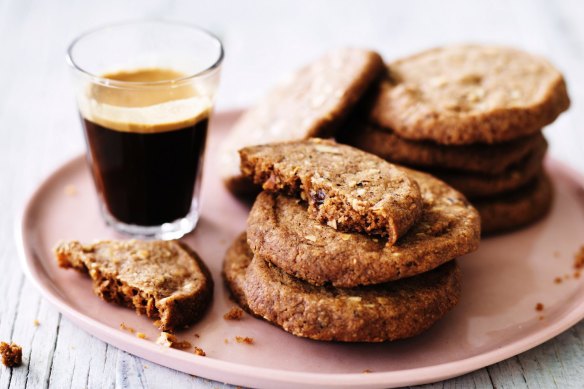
<point x="241" y="374"/>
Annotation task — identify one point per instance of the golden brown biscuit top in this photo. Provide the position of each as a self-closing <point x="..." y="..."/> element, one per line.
<point x="470" y="93"/>
<point x="159" y="268"/>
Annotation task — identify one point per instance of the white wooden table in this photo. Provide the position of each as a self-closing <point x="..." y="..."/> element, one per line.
<point x="39" y="129"/>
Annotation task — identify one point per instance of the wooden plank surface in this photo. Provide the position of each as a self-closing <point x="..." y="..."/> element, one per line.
<point x="264" y="39"/>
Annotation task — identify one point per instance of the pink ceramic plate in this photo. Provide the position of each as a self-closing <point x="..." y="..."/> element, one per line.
<point x="495" y="319"/>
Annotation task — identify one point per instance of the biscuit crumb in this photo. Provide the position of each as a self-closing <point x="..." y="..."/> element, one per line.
<point x="70" y="190"/>
<point x="235" y="313"/>
<point x="576" y="274"/>
<point x="579" y="259"/>
<point x="558" y="280"/>
<point x="539" y="307"/>
<point x="226" y="341"/>
<point x="541" y="317"/>
<point x="199" y="351"/>
<point x="11" y="354"/>
<point x="145" y="366"/>
<point x="367" y="371"/>
<point x="141" y="335"/>
<point x="123" y="326"/>
<point x="169" y="340"/>
<point x="36" y="323"/>
<point x="197" y="336"/>
<point x="244" y="339"/>
<point x="182" y="345"/>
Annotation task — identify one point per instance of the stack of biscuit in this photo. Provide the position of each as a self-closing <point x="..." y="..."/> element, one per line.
<point x="342" y="245"/>
<point x="471" y="115"/>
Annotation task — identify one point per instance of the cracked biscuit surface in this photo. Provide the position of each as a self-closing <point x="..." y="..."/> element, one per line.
<point x="280" y="231"/>
<point x="389" y="311"/>
<point x="466" y="94"/>
<point x="346" y="188"/>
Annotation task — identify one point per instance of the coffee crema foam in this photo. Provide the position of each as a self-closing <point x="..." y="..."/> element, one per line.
<point x="145" y="108"/>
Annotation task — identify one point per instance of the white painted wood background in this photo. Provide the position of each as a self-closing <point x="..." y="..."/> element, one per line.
<point x="39" y="129"/>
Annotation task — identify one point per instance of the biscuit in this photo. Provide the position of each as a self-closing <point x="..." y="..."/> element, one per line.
<point x="390" y="311"/>
<point x="478" y="158"/>
<point x="165" y="280"/>
<point x="517" y="209"/>
<point x="468" y="94"/>
<point x="474" y="185"/>
<point x="237" y="259"/>
<point x="346" y="188"/>
<point x="280" y="231"/>
<point x="312" y="102"/>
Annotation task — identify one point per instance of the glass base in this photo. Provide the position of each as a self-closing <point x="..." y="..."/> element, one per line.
<point x="167" y="231"/>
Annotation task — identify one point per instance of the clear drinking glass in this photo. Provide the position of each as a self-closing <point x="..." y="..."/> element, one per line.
<point x="145" y="93"/>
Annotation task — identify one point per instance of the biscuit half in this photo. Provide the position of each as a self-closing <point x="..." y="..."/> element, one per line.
<point x="164" y="280"/>
<point x="345" y="188"/>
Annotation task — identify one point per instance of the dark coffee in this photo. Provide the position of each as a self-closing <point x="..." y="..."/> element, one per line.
<point x="146" y="178"/>
<point x="145" y="171"/>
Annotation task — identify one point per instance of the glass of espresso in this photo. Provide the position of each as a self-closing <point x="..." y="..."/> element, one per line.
<point x="145" y="94"/>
